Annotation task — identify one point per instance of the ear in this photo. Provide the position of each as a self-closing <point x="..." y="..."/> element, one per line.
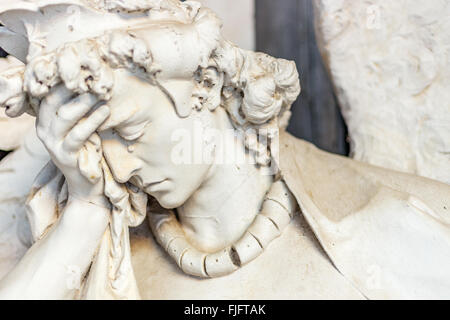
<point x="208" y="89"/>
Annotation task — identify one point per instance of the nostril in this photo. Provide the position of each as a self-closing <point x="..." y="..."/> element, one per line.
<point x="124" y="177"/>
<point x="137" y="181"/>
<point x="132" y="187"/>
<point x="123" y="167"/>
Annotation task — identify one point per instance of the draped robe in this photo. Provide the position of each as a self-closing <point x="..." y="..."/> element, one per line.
<point x="386" y="232"/>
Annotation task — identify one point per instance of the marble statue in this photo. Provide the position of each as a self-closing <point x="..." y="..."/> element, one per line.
<point x="170" y="174"/>
<point x="389" y="65"/>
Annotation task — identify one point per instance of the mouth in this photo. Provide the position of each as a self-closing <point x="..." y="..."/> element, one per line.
<point x="148" y="185"/>
<point x="154" y="187"/>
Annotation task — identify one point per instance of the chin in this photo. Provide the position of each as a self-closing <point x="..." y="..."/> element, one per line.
<point x="170" y="200"/>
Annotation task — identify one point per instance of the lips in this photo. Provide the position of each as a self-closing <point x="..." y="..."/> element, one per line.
<point x="148" y="185"/>
<point x="137" y="181"/>
<point x="154" y="186"/>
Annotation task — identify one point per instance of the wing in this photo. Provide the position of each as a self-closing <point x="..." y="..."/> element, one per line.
<point x="387" y="232"/>
<point x="389" y="64"/>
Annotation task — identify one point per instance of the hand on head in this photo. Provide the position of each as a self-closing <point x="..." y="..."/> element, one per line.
<point x="67" y="125"/>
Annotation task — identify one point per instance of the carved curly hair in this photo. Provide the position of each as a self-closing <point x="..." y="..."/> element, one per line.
<point x="257" y="92"/>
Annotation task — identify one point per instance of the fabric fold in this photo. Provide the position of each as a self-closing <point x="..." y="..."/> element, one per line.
<point x="111" y="274"/>
<point x="385" y="231"/>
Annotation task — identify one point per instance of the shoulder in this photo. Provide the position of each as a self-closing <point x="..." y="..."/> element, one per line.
<point x="292" y="267"/>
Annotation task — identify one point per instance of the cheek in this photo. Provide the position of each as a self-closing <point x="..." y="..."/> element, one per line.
<point x="159" y="147"/>
<point x="185" y="180"/>
<point x="160" y="137"/>
<point x="179" y="143"/>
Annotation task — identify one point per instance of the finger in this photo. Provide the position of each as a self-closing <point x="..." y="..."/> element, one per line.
<point x="72" y="112"/>
<point x="89" y="162"/>
<point x="58" y="96"/>
<point x="77" y="137"/>
<point x="96" y="141"/>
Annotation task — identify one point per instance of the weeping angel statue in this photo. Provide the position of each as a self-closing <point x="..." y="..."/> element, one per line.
<point x="170" y="173"/>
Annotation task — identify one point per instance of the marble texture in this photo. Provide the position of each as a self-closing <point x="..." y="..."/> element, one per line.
<point x="302" y="272"/>
<point x="13" y="130"/>
<point x="389" y="64"/>
<point x="17" y="173"/>
<point x="123" y="109"/>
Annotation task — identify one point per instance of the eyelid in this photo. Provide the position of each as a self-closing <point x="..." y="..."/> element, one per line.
<point x="130" y="137"/>
<point x="132" y="132"/>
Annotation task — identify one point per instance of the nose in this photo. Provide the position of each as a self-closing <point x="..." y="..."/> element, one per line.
<point x="123" y="165"/>
<point x="124" y="171"/>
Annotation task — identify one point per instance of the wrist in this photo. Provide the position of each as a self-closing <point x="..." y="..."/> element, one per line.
<point x="99" y="201"/>
<point x="83" y="191"/>
<point x="84" y="217"/>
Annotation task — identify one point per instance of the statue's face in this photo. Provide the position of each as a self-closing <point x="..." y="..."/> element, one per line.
<point x="138" y="141"/>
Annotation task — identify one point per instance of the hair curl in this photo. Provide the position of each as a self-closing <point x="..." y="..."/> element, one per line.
<point x="258" y="90"/>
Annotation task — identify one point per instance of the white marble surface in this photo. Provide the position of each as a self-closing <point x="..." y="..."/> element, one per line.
<point x="389" y="61"/>
<point x="301" y="272"/>
<point x="108" y="159"/>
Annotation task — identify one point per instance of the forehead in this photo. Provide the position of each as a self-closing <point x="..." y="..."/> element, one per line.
<point x="131" y="100"/>
<point x="135" y="99"/>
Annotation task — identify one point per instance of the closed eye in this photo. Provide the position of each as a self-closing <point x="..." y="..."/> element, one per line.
<point x="132" y="132"/>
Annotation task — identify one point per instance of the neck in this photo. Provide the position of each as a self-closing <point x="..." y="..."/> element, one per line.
<point x="225" y="205"/>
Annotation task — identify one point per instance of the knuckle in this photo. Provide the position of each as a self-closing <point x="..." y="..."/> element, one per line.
<point x="75" y="136"/>
<point x="67" y="145"/>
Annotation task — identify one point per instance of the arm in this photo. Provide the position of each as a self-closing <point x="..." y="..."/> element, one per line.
<point x="67" y="127"/>
<point x="49" y="268"/>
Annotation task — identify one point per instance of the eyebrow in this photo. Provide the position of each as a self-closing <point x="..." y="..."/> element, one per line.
<point x="120" y="119"/>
